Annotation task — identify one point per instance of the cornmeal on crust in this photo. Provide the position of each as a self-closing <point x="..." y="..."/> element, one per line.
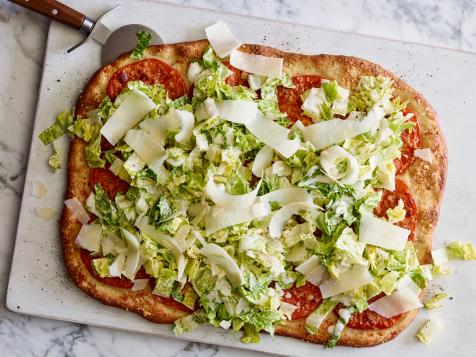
<point x="425" y="180"/>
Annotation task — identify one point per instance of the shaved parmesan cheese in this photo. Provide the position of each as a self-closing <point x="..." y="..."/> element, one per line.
<point x="398" y="302"/>
<point x="256" y="81"/>
<point x="186" y="126"/>
<point x="273" y="135"/>
<point x="276" y="224"/>
<point x="287" y="309"/>
<point x="221" y="39"/>
<point x="424" y="154"/>
<point x="342" y="102"/>
<point x="313" y="270"/>
<point x="220" y="218"/>
<point x="77" y="210"/>
<point x="280" y="168"/>
<point x="193" y="72"/>
<point x="210" y="106"/>
<point x="440" y="256"/>
<point x="331" y="157"/>
<point x="237" y="111"/>
<point x="225" y="200"/>
<point x="147" y="148"/>
<point x="167" y="242"/>
<point x="131" y="263"/>
<point x="314" y="101"/>
<point x="351" y="279"/>
<point x="139" y="284"/>
<point x="135" y="106"/>
<point x="327" y="133"/>
<point x="263" y="159"/>
<point x="201" y="142"/>
<point x="376" y="231"/>
<point x="217" y="255"/>
<point x="257" y="64"/>
<point x="408" y="283"/>
<point x="285" y="196"/>
<point x="89" y="237"/>
<point x="115" y="269"/>
<point x="173" y="120"/>
<point x="259" y="210"/>
<point x="45" y="213"/>
<point x="112" y="244"/>
<point x="157" y="128"/>
<point x="225" y="324"/>
<point x="39" y="189"/>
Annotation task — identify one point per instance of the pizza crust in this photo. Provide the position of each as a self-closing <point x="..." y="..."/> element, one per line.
<point x="425" y="180"/>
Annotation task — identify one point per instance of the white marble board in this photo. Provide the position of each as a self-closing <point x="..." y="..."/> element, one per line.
<point x="39" y="284"/>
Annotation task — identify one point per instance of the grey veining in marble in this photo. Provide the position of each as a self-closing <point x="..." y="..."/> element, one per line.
<point x="22" y="41"/>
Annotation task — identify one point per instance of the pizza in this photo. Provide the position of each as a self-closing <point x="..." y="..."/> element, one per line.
<point x="238" y="185"/>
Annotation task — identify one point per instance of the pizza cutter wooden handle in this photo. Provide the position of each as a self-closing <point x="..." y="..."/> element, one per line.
<point x="55" y="11"/>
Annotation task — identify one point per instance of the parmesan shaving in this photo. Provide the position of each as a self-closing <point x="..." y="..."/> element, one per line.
<point x="257" y="64"/>
<point x="77" y="210"/>
<point x="225" y="200"/>
<point x="221" y="39"/>
<point x="135" y="106"/>
<point x="139" y="284"/>
<point x="424" y="154"/>
<point x="398" y="302"/>
<point x="276" y="224"/>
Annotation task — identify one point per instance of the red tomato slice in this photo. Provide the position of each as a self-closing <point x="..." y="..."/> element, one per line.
<point x="370" y="320"/>
<point x="109" y="182"/>
<point x="390" y="200"/>
<point x="149" y="71"/>
<point x="411" y="141"/>
<point x="236" y="78"/>
<point x="307" y="298"/>
<point x="289" y="99"/>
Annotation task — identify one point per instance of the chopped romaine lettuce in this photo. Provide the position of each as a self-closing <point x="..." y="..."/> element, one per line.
<point x="461" y="251"/>
<point x="143" y="41"/>
<point x="101" y="266"/>
<point x="93" y="153"/>
<point x="435" y="301"/>
<point x="317" y="317"/>
<point x="56" y="130"/>
<point x="165" y="282"/>
<point x="432" y="327"/>
<point x="55" y="159"/>
<point x="370" y="91"/>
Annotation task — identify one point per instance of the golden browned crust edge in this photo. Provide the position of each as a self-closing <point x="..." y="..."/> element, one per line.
<point x="425" y="180"/>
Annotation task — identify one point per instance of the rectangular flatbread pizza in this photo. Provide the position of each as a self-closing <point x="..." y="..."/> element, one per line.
<point x="256" y="190"/>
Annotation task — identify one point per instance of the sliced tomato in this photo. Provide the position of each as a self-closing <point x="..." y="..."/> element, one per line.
<point x="370" y="320"/>
<point x="289" y="99"/>
<point x="109" y="182"/>
<point x="411" y="141"/>
<point x="237" y="77"/>
<point x="149" y="71"/>
<point x="390" y="200"/>
<point x="306" y="297"/>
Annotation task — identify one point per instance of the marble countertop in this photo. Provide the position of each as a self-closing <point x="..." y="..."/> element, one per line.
<point x="22" y="41"/>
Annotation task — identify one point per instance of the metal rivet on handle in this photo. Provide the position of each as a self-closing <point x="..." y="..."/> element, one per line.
<point x="55" y="11"/>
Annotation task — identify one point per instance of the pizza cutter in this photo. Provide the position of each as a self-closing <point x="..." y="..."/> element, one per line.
<point x="115" y="43"/>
